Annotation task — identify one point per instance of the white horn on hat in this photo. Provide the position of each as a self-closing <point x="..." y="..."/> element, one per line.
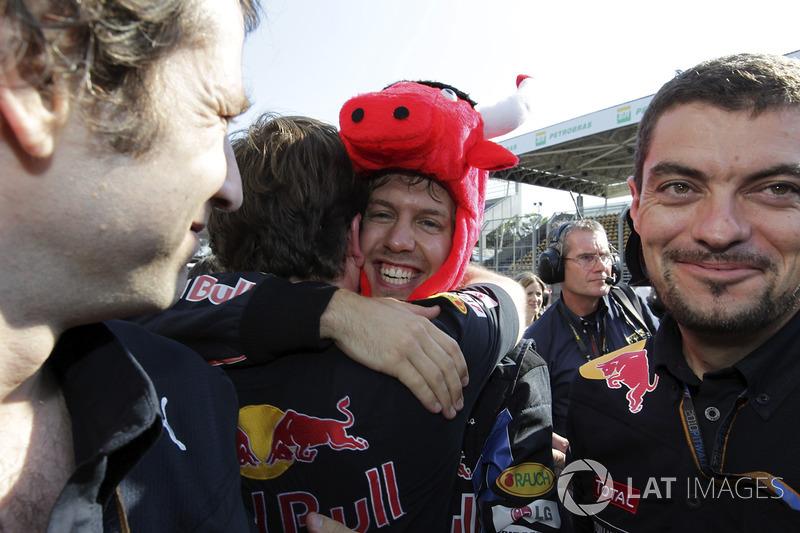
<point x="508" y="114"/>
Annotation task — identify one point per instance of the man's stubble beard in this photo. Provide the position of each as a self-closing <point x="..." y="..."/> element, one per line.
<point x="719" y="319"/>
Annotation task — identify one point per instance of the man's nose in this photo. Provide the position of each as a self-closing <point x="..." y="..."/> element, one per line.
<point x="401" y="238"/>
<point x="600" y="265"/>
<point x="719" y="224"/>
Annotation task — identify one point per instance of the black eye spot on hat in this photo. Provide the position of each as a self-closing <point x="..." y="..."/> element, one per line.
<point x="401" y="112"/>
<point x="357" y="115"/>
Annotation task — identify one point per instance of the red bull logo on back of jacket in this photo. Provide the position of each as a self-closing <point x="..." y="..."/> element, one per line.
<point x="269" y="440"/>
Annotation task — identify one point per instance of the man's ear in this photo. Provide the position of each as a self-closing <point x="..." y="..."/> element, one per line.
<point x="33" y="119"/>
<point x="353" y="244"/>
<point x="634" y="200"/>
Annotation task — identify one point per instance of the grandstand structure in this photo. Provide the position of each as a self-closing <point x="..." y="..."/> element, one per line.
<point x="591" y="154"/>
<point x="522" y="255"/>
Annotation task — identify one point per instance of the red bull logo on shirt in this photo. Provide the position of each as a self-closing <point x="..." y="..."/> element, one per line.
<point x="269" y="440"/>
<point x="381" y="506"/>
<point x="244" y="450"/>
<point x="627" y="366"/>
<point x="207" y="287"/>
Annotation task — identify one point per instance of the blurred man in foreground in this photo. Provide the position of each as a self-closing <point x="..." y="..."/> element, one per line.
<point x="114" y="154"/>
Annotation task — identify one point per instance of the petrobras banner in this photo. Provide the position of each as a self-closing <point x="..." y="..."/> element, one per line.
<point x="599" y="121"/>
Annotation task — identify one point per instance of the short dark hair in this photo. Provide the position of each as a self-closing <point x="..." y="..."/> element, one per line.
<point x="742" y="82"/>
<point x="104" y="50"/>
<point x="300" y="195"/>
<point x="409" y="178"/>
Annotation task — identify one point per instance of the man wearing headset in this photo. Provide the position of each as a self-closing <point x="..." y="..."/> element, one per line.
<point x="592" y="317"/>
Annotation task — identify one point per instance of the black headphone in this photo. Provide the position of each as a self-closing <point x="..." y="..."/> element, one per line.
<point x="634" y="257"/>
<point x="551" y="265"/>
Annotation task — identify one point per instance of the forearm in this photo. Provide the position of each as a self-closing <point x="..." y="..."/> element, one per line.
<point x="337" y="321"/>
<point x="398" y="339"/>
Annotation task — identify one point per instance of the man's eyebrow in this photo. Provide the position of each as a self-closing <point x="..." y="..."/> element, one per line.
<point x="435" y="212"/>
<point x="378" y="201"/>
<point x="432" y="211"/>
<point x="777" y="170"/>
<point x="669" y="168"/>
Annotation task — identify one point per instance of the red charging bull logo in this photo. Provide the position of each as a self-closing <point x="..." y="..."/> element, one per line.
<point x="628" y="366"/>
<point x="244" y="450"/>
<point x="297" y="435"/>
<point x="279" y="439"/>
<point x="464" y="471"/>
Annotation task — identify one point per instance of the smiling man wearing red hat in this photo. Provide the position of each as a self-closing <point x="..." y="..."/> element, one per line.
<point x="424" y="148"/>
<point x="429" y="137"/>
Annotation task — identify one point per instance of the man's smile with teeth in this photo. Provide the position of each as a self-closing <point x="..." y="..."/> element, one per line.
<point x="397" y="275"/>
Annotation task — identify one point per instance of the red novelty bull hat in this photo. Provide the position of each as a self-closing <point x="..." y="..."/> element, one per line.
<point x="428" y="129"/>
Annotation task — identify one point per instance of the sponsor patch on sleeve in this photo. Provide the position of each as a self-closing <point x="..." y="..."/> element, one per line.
<point x="527" y="480"/>
<point x="453" y="299"/>
<point x="487" y="300"/>
<point x="477" y="301"/>
<point x="542" y="512"/>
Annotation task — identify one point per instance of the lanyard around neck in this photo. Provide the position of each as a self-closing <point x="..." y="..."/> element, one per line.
<point x="582" y="345"/>
<point x="710" y="467"/>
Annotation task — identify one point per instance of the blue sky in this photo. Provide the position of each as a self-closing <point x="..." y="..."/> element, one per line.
<point x="309" y="56"/>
